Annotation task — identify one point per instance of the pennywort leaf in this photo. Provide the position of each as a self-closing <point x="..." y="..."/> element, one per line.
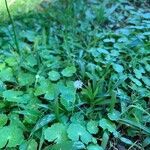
<point x="54" y="75"/>
<point x="68" y="71"/>
<point x="92" y="127"/>
<point x="56" y="133"/>
<point x="76" y="131"/>
<point x="11" y="135"/>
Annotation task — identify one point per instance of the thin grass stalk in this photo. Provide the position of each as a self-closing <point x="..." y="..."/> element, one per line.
<point x="13" y="25"/>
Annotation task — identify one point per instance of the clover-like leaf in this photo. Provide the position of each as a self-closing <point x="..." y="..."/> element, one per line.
<point x="47" y="88"/>
<point x="78" y="118"/>
<point x="54" y="75"/>
<point x="106" y="124"/>
<point x="25" y="79"/>
<point x="77" y="131"/>
<point x="11" y="135"/>
<point x="92" y="127"/>
<point x="68" y="98"/>
<point x="31" y="60"/>
<point x="114" y="115"/>
<point x="67" y="95"/>
<point x="51" y="92"/>
<point x="68" y="71"/>
<point x="56" y="132"/>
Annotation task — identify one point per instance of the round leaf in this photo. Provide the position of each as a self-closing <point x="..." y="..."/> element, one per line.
<point x="68" y="71"/>
<point x="11" y="135"/>
<point x="56" y="132"/>
<point x="54" y="75"/>
<point x="76" y="132"/>
<point x="92" y="127"/>
<point x="106" y="124"/>
<point x="114" y="115"/>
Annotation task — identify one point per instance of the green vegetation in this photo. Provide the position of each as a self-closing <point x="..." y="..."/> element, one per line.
<point x="75" y="76"/>
<point x="17" y="7"/>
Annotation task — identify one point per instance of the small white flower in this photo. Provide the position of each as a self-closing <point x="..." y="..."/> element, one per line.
<point x="78" y="84"/>
<point x="37" y="76"/>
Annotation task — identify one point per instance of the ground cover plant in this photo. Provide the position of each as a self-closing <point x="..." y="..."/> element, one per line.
<point x="74" y="75"/>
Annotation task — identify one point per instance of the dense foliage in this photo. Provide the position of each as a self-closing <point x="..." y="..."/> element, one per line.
<point x="75" y="75"/>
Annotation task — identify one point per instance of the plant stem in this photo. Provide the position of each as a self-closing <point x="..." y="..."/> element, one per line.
<point x="14" y="31"/>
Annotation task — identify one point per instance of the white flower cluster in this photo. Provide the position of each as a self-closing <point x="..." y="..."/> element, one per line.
<point x="78" y="84"/>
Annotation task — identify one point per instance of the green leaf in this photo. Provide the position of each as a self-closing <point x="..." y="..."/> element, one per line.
<point x="3" y="119"/>
<point x="94" y="147"/>
<point x="29" y="145"/>
<point x="146" y="15"/>
<point x="11" y="134"/>
<point x="68" y="95"/>
<point x="78" y="118"/>
<point x="106" y="124"/>
<point x="2" y="66"/>
<point x="79" y="145"/>
<point x="105" y="139"/>
<point x="114" y="115"/>
<point x="57" y="133"/>
<point x="42" y="122"/>
<point x="110" y="40"/>
<point x="15" y="96"/>
<point x="136" y="81"/>
<point x="138" y="73"/>
<point x="12" y="61"/>
<point x="67" y="145"/>
<point x="31" y="61"/>
<point x="134" y="124"/>
<point x="29" y="35"/>
<point x="76" y="132"/>
<point x="47" y="88"/>
<point x="118" y="68"/>
<point x="25" y="79"/>
<point x="7" y="75"/>
<point x="68" y="71"/>
<point x="54" y="75"/>
<point x="92" y="127"/>
<point x="32" y="145"/>
<point x="126" y="141"/>
<point x="146" y="80"/>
